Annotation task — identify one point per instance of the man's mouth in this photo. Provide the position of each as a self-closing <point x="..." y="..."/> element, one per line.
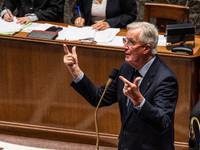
<point x="127" y="54"/>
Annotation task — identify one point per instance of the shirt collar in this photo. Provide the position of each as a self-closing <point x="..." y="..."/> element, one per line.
<point x="146" y="67"/>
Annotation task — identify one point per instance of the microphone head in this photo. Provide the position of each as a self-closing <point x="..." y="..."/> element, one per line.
<point x="113" y="73"/>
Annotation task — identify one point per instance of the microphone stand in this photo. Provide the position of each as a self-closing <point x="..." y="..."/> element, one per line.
<point x="112" y="76"/>
<point x="96" y="110"/>
<point x="191" y="133"/>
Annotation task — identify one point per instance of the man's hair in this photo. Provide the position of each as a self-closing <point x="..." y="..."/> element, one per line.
<point x="149" y="34"/>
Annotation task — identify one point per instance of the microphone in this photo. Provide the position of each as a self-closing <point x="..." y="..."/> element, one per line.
<point x="192" y="138"/>
<point x="112" y="76"/>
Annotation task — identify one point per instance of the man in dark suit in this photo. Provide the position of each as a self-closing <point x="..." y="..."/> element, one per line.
<point x="148" y="122"/>
<point x="33" y="10"/>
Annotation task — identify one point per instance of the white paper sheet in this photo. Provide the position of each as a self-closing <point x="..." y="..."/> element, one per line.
<point x="162" y="41"/>
<point x="106" y="36"/>
<point x="75" y="33"/>
<point x="9" y="27"/>
<point x="117" y="41"/>
<point x="37" y="26"/>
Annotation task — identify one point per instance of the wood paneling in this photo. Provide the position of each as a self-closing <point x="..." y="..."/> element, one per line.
<point x="36" y="98"/>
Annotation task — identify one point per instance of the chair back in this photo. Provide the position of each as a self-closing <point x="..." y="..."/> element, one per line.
<point x="165" y="14"/>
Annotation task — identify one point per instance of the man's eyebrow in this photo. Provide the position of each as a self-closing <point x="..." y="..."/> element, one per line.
<point x="131" y="40"/>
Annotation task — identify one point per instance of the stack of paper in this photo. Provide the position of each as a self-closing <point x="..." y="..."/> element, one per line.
<point x="75" y="33"/>
<point x="37" y="26"/>
<point x="106" y="36"/>
<point x="117" y="41"/>
<point x="72" y="33"/>
<point x="87" y="33"/>
<point x="9" y="27"/>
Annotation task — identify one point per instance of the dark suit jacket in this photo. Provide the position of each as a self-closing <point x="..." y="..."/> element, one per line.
<point x="119" y="13"/>
<point x="152" y="128"/>
<point x="46" y="10"/>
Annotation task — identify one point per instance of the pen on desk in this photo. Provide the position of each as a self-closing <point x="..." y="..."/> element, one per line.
<point x="79" y="11"/>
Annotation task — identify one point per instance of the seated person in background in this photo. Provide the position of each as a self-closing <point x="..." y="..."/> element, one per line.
<point x="147" y="103"/>
<point x="33" y="10"/>
<point x="102" y="14"/>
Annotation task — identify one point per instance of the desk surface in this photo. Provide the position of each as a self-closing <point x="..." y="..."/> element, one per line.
<point x="161" y="49"/>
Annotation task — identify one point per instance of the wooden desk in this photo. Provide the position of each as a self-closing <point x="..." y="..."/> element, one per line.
<point x="36" y="98"/>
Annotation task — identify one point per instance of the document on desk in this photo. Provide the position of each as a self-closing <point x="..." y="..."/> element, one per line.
<point x="162" y="40"/>
<point x="87" y="33"/>
<point x="72" y="33"/>
<point x="106" y="36"/>
<point x="9" y="27"/>
<point x="117" y="41"/>
<point x="62" y="34"/>
<point x="76" y="34"/>
<point x="37" y="26"/>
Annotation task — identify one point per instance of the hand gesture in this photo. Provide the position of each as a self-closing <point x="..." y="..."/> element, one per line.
<point x="71" y="61"/>
<point x="132" y="91"/>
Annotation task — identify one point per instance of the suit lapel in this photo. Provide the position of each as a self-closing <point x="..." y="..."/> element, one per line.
<point x="145" y="84"/>
<point x="148" y="78"/>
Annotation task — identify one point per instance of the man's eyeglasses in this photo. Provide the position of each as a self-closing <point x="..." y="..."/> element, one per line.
<point x="131" y="43"/>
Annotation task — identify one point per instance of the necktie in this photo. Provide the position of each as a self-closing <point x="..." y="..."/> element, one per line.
<point x="137" y="74"/>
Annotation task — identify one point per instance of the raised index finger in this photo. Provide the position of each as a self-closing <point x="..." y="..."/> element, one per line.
<point x="66" y="50"/>
<point x="125" y="80"/>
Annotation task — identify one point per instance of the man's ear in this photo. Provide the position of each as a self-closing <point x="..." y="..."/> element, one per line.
<point x="147" y="48"/>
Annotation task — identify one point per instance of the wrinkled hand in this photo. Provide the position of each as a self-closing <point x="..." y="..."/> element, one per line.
<point x="8" y="17"/>
<point x="132" y="91"/>
<point x="23" y="20"/>
<point x="79" y="22"/>
<point x="71" y="61"/>
<point x="101" y="25"/>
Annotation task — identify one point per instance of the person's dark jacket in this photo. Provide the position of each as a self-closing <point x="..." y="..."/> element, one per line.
<point x="45" y="10"/>
<point x="119" y="13"/>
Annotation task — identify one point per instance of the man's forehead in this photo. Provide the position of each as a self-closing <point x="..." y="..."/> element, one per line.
<point x="133" y="33"/>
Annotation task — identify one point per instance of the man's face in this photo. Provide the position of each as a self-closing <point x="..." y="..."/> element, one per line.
<point x="133" y="48"/>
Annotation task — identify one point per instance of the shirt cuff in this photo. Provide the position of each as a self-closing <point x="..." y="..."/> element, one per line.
<point x="32" y="17"/>
<point x="4" y="12"/>
<point x="79" y="78"/>
<point x="138" y="108"/>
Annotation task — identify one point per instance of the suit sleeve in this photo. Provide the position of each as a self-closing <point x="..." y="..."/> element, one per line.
<point x="158" y="111"/>
<point x="120" y="16"/>
<point x="93" y="94"/>
<point x="10" y="4"/>
<point x="79" y="3"/>
<point x="51" y="10"/>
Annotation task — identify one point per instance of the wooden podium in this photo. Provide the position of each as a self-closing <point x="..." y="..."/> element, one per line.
<point x="36" y="98"/>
